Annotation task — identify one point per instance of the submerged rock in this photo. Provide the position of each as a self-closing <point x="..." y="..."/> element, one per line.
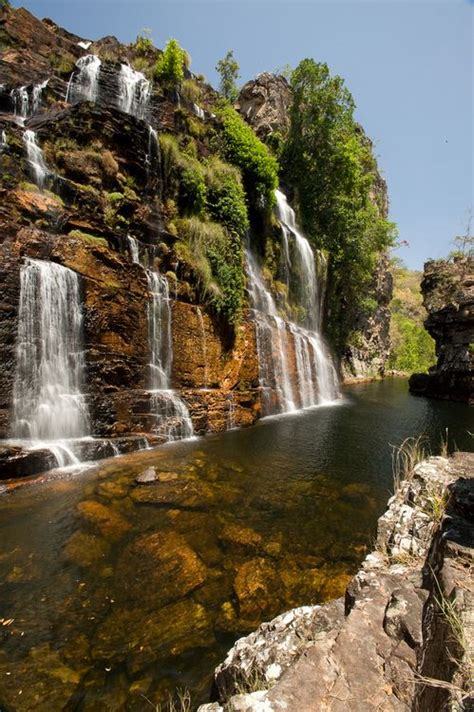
<point x="147" y="476"/>
<point x="129" y="635"/>
<point x="106" y="520"/>
<point x="185" y="494"/>
<point x="166" y="562"/>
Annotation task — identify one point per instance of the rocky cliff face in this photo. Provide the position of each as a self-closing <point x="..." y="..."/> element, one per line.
<point x="103" y="184"/>
<point x="402" y="638"/>
<point x="265" y="102"/>
<point x="448" y="296"/>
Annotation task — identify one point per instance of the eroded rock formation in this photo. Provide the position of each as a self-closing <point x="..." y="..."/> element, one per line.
<point x="401" y="639"/>
<point x="448" y="296"/>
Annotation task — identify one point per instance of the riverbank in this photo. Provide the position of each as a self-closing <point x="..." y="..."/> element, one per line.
<point x="402" y="637"/>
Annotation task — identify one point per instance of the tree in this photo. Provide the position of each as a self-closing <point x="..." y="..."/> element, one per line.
<point x="328" y="159"/>
<point x="228" y="69"/>
<point x="169" y="69"/>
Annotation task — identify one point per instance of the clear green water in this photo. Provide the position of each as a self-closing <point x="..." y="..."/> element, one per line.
<point x="112" y="594"/>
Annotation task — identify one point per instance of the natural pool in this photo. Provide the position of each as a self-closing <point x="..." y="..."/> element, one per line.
<point x="113" y="593"/>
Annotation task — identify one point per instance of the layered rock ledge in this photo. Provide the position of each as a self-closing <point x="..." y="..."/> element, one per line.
<point x="448" y="296"/>
<point x="403" y="637"/>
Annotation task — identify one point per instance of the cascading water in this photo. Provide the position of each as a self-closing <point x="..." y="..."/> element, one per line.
<point x="199" y="111"/>
<point x="36" y="96"/>
<point x="316" y="378"/>
<point x="34" y="155"/>
<point x="3" y="141"/>
<point x="84" y="81"/>
<point x="21" y="102"/>
<point x="172" y="417"/>
<point x="134" y="91"/>
<point x="22" y="105"/>
<point x="48" y="405"/>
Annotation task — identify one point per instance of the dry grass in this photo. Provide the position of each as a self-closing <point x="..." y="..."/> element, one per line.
<point x="405" y="457"/>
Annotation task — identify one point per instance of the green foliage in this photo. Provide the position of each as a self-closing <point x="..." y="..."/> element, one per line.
<point x="329" y="161"/>
<point x="190" y="91"/>
<point x="144" y="43"/>
<point x="240" y="146"/>
<point x="215" y="255"/>
<point x="169" y="69"/>
<point x="413" y="349"/>
<point x="93" y="239"/>
<point x="226" y="196"/>
<point x="228" y="68"/>
<point x="183" y="177"/>
<point x="61" y="64"/>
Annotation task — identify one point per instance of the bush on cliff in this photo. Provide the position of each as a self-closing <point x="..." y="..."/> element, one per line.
<point x="226" y="196"/>
<point x="169" y="69"/>
<point x="215" y="255"/>
<point x="239" y="145"/>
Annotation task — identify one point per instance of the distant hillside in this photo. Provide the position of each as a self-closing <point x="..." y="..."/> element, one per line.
<point x="413" y="349"/>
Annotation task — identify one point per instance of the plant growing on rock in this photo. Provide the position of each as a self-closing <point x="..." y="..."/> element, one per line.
<point x="228" y="68"/>
<point x="239" y="145"/>
<point x="215" y="256"/>
<point x="169" y="69"/>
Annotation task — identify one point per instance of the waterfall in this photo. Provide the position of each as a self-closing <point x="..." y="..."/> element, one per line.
<point x="230" y="413"/>
<point x="199" y="111"/>
<point x="36" y="97"/>
<point x="303" y="263"/>
<point x="204" y="347"/>
<point x="34" y="156"/>
<point x="272" y="342"/>
<point x="172" y="417"/>
<point x="153" y="152"/>
<point x="22" y="106"/>
<point x="48" y="404"/>
<point x="134" y="91"/>
<point x="84" y="83"/>
<point x="3" y="141"/>
<point x="278" y="341"/>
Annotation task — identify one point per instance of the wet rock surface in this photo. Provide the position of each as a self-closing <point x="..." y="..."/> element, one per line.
<point x="448" y="296"/>
<point x="392" y="645"/>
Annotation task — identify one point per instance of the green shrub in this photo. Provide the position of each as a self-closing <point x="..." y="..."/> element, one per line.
<point x="169" y="69"/>
<point x="144" y="43"/>
<point x="240" y="146"/>
<point x="89" y="238"/>
<point x="215" y="255"/>
<point x="190" y="91"/>
<point x="226" y="196"/>
<point x="183" y="177"/>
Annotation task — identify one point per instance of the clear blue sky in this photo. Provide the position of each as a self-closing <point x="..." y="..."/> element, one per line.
<point x="408" y="64"/>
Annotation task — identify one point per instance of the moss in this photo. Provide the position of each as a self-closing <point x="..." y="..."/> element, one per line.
<point x="24" y="185"/>
<point x="89" y="238"/>
<point x="114" y="198"/>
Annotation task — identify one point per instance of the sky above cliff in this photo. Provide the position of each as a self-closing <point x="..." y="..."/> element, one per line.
<point x="408" y="63"/>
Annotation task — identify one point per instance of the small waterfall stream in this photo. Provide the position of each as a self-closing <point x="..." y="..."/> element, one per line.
<point x="34" y="155"/>
<point x="48" y="404"/>
<point x="23" y="105"/>
<point x="173" y="421"/>
<point x="84" y="81"/>
<point x="134" y="91"/>
<point x="316" y="378"/>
